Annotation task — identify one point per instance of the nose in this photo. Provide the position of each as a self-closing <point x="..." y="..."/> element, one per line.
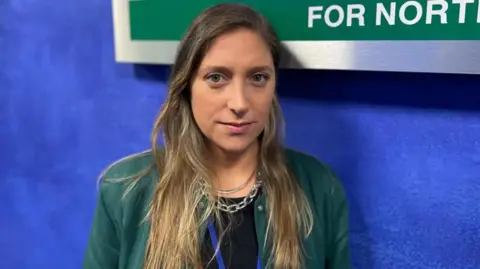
<point x="238" y="99"/>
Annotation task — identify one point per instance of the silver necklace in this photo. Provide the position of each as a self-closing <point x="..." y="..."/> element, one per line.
<point x="233" y="208"/>
<point x="236" y="189"/>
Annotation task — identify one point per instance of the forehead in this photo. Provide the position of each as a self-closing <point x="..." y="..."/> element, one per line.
<point x="242" y="48"/>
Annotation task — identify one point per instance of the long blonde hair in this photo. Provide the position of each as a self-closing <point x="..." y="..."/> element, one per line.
<point x="174" y="240"/>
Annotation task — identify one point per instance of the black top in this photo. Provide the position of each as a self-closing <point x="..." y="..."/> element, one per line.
<point x="239" y="247"/>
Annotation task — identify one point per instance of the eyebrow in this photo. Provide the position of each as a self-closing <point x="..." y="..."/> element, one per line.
<point x="224" y="69"/>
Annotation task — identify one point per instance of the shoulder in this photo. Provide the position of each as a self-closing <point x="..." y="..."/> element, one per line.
<point x="314" y="176"/>
<point x="127" y="167"/>
<point x="126" y="181"/>
<point x="305" y="165"/>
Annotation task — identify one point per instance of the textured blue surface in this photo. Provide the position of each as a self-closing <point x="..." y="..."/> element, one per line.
<point x="406" y="146"/>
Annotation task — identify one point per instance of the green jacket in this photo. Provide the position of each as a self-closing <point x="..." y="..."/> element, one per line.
<point x="118" y="236"/>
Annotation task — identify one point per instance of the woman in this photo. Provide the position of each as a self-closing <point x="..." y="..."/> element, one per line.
<point x="222" y="192"/>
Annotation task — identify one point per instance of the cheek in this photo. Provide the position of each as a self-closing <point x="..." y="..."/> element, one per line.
<point x="203" y="106"/>
<point x="263" y="106"/>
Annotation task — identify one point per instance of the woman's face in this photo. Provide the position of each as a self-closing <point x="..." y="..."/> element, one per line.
<point x="233" y="90"/>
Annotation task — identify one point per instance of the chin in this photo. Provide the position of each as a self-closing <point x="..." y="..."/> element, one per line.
<point x="235" y="146"/>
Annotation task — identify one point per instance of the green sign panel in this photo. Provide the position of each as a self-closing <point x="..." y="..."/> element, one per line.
<point x="323" y="20"/>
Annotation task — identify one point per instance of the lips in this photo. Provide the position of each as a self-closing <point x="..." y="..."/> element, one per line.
<point x="235" y="124"/>
<point x="237" y="127"/>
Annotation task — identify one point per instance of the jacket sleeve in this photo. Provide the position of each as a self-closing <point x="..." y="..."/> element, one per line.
<point x="338" y="256"/>
<point x="103" y="245"/>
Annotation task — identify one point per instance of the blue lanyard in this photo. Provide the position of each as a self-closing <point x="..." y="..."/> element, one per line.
<point x="213" y="237"/>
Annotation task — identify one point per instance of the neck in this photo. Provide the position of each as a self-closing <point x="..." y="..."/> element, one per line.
<point x="234" y="169"/>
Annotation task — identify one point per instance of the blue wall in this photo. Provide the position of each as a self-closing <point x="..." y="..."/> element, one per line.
<point x="406" y="146"/>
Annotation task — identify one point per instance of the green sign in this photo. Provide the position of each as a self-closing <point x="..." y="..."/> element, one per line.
<point x="327" y="20"/>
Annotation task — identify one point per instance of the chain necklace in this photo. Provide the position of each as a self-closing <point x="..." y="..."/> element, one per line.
<point x="236" y="189"/>
<point x="233" y="208"/>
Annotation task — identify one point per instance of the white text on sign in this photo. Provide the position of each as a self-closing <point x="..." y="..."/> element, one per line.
<point x="354" y="14"/>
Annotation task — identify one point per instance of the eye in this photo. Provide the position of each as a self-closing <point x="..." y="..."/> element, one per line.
<point x="260" y="79"/>
<point x="215" y="78"/>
